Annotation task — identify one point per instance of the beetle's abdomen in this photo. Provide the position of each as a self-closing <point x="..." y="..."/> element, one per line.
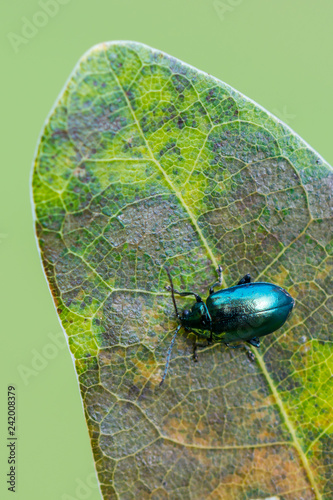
<point x="246" y="311"/>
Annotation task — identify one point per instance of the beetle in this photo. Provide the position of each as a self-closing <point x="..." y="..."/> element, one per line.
<point x="244" y="312"/>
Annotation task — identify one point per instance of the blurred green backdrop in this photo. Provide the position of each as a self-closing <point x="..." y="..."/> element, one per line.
<point x="277" y="53"/>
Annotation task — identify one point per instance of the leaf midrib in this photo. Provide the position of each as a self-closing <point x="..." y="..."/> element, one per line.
<point x="259" y="358"/>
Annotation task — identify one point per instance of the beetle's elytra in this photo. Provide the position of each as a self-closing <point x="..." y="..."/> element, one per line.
<point x="246" y="311"/>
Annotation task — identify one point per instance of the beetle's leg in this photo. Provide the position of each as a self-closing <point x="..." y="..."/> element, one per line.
<point x="245" y="279"/>
<point x="250" y="355"/>
<point x="184" y="294"/>
<point x="195" y="347"/>
<point x="219" y="282"/>
<point x="255" y="342"/>
<point x="169" y="353"/>
<point x="210" y="340"/>
<point x="235" y="346"/>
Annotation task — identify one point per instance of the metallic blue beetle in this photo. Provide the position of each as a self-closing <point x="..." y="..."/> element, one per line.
<point x="246" y="311"/>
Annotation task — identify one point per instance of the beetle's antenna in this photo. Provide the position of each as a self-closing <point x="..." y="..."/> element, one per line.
<point x="172" y="291"/>
<point x="169" y="353"/>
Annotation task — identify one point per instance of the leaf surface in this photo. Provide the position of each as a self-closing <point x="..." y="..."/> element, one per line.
<point x="146" y="162"/>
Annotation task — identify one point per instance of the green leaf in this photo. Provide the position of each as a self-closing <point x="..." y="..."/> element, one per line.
<point x="146" y="162"/>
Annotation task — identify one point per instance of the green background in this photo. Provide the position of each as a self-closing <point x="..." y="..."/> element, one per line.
<point x="277" y="53"/>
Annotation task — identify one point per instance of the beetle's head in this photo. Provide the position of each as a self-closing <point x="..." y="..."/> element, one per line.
<point x="185" y="317"/>
<point x="185" y="314"/>
<point x="191" y="318"/>
<point x="196" y="317"/>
